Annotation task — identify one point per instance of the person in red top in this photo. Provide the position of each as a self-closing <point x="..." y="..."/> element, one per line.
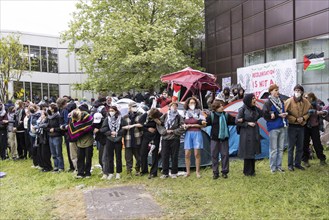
<point x="164" y="100"/>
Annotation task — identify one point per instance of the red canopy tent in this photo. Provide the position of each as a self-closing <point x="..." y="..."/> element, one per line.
<point x="193" y="80"/>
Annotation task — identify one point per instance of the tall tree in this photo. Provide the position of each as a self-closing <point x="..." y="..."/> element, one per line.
<point x="125" y="44"/>
<point x="13" y="61"/>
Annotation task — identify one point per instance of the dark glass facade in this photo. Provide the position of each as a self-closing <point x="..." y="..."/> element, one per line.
<point x="247" y="32"/>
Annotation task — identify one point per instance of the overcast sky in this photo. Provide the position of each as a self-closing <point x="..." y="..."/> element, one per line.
<point x="37" y="16"/>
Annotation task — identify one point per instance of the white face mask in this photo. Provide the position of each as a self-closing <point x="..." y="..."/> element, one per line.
<point x="112" y="114"/>
<point x="297" y="94"/>
<point x="134" y="109"/>
<point x="16" y="106"/>
<point x="192" y="107"/>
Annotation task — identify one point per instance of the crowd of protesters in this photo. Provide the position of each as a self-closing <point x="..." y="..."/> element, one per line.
<point x="39" y="130"/>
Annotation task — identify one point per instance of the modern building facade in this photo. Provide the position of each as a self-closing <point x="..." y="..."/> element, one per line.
<point x="241" y="33"/>
<point x="52" y="71"/>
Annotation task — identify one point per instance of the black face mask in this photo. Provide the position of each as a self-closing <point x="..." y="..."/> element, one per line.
<point x="32" y="111"/>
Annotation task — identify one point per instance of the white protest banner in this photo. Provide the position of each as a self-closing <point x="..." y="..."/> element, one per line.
<point x="226" y="82"/>
<point x="257" y="78"/>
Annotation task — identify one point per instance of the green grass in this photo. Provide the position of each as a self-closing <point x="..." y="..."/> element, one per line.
<point x="27" y="193"/>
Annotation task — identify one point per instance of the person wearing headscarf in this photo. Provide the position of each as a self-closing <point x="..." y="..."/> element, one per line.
<point x="112" y="128"/>
<point x="170" y="127"/>
<point x="277" y="124"/>
<point x="297" y="108"/>
<point x="248" y="129"/>
<point x="312" y="131"/>
<point x="193" y="118"/>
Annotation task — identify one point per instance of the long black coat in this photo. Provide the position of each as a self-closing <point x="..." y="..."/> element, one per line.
<point x="249" y="136"/>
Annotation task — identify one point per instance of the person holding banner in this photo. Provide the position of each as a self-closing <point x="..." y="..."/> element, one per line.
<point x="277" y="123"/>
<point x="297" y="108"/>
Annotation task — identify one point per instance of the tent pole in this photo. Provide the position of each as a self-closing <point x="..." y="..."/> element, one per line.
<point x="201" y="99"/>
<point x="182" y="99"/>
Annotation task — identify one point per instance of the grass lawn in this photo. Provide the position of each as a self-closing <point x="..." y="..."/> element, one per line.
<point x="27" y="193"/>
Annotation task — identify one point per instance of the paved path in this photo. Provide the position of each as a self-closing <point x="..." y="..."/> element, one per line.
<point x="120" y="203"/>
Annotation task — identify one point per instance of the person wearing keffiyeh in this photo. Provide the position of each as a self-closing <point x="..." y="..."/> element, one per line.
<point x="275" y="116"/>
<point x="80" y="129"/>
<point x="112" y="128"/>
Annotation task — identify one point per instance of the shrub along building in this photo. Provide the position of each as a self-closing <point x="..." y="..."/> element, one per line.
<point x="241" y="33"/>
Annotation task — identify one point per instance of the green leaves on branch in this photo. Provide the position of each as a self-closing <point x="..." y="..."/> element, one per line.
<point x="126" y="44"/>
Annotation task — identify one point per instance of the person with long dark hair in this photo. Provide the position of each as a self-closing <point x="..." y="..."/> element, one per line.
<point x="249" y="145"/>
<point x="112" y="128"/>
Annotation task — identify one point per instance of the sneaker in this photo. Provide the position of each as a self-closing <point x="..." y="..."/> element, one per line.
<point x="78" y="177"/>
<point x="323" y="163"/>
<point x="173" y="176"/>
<point x="273" y="171"/>
<point x="117" y="176"/>
<point x="110" y="176"/>
<point x="215" y="176"/>
<point x="291" y="168"/>
<point x="280" y="170"/>
<point x="164" y="177"/>
<point x="88" y="176"/>
<point x="55" y="170"/>
<point x="224" y="175"/>
<point x="104" y="177"/>
<point x="34" y="166"/>
<point x="60" y="170"/>
<point x="137" y="173"/>
<point x="306" y="164"/>
<point x="300" y="167"/>
<point x="151" y="176"/>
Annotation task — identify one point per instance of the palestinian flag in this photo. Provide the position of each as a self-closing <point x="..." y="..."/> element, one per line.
<point x="176" y="94"/>
<point x="314" y="61"/>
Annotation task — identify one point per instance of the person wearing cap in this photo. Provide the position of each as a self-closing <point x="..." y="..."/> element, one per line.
<point x="112" y="129"/>
<point x="163" y="100"/>
<point x="275" y="116"/>
<point x="3" y="131"/>
<point x="248" y="129"/>
<point x="150" y="137"/>
<point x="170" y="127"/>
<point x="219" y="120"/>
<point x="297" y="108"/>
<point x="132" y="136"/>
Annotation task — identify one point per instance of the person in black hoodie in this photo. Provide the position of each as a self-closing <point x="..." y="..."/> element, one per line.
<point x="55" y="137"/>
<point x="19" y="129"/>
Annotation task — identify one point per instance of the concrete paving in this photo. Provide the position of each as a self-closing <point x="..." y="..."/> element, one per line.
<point x="121" y="203"/>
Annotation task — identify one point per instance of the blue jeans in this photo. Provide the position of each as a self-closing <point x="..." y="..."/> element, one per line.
<point x="277" y="137"/>
<point x="296" y="137"/>
<point x="55" y="144"/>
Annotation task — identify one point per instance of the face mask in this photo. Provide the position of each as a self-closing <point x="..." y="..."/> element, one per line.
<point x="297" y="94"/>
<point x="108" y="103"/>
<point x="134" y="109"/>
<point x="112" y="114"/>
<point x="16" y="106"/>
<point x="32" y="111"/>
<point x="192" y="107"/>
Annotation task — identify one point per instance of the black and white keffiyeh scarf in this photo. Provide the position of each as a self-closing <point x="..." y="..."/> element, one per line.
<point x="170" y="119"/>
<point x="277" y="103"/>
<point x="114" y="123"/>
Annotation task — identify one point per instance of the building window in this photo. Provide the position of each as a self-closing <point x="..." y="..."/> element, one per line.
<point x="283" y="52"/>
<point x="53" y="91"/>
<point x="53" y="60"/>
<point x="254" y="58"/>
<point x="44" y="54"/>
<point x="35" y="58"/>
<point x="45" y="89"/>
<point x="26" y="54"/>
<point x="36" y="92"/>
<point x="27" y="89"/>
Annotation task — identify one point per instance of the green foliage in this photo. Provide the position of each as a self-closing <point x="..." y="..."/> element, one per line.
<point x="126" y="44"/>
<point x="29" y="194"/>
<point x="13" y="61"/>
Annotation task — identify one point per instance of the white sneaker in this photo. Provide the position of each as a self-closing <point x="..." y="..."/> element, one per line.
<point x="173" y="176"/>
<point x="104" y="177"/>
<point x="110" y="176"/>
<point x="117" y="176"/>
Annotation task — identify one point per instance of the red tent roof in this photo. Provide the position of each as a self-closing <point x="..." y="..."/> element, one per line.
<point x="192" y="79"/>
